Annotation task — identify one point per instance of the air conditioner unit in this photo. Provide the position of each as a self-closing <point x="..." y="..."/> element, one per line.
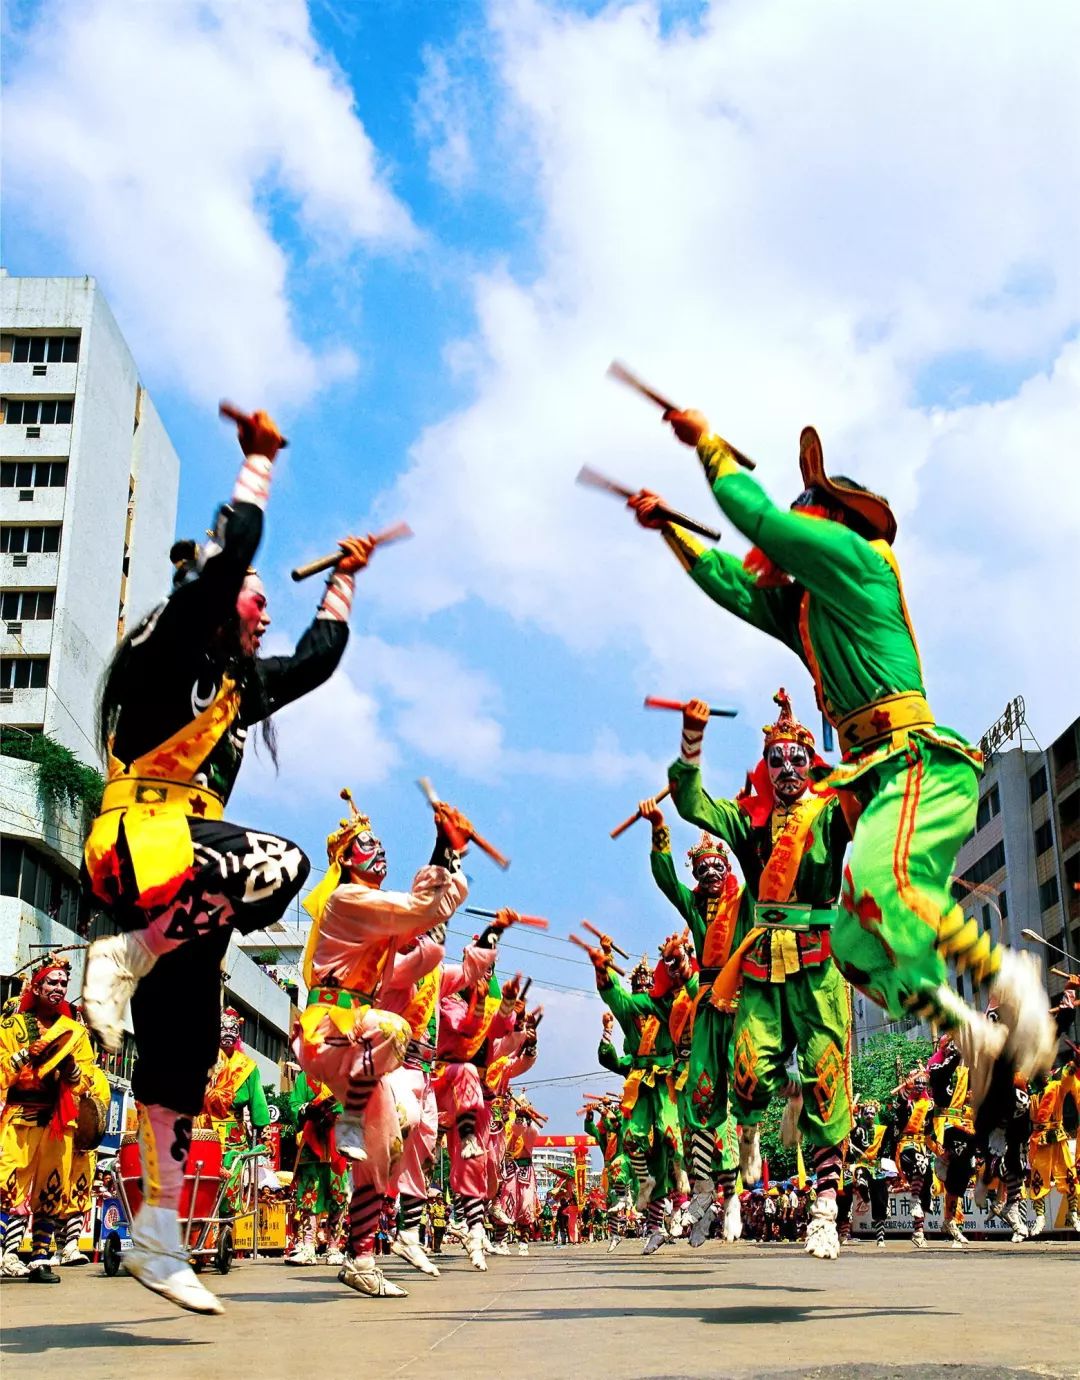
<point x="26" y="495"/>
<point x="33" y="433"/>
<point x="19" y="561"/>
<point x="7" y="696"/>
<point x="40" y="370"/>
<point x="15" y="629"/>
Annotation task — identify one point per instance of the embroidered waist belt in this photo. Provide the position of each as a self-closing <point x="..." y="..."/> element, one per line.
<point x="182" y="796"/>
<point x="875" y="722"/>
<point x="339" y="996"/>
<point x="792" y="916"/>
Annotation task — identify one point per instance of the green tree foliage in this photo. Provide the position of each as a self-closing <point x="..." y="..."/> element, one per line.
<point x="61" y="778"/>
<point x="875" y="1071"/>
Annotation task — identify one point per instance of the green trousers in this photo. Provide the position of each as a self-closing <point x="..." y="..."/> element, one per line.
<point x="810" y="1011"/>
<point x="652" y="1129"/>
<point x="704" y="1101"/>
<point x="898" y="922"/>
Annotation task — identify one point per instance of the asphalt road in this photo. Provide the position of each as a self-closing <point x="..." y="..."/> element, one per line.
<point x="986" y="1312"/>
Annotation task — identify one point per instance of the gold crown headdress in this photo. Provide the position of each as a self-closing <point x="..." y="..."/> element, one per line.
<point x="708" y="847"/>
<point x="642" y="971"/>
<point x="337" y="846"/>
<point x="787" y="728"/>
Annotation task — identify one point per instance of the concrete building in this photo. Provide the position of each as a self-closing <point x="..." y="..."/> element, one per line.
<point x="1019" y="868"/>
<point x="88" y="494"/>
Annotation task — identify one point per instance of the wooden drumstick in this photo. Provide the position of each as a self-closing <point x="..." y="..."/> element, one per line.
<point x="585" y="924"/>
<point x="576" y="939"/>
<point x="655" y="702"/>
<point x="399" y="532"/>
<point x="622" y="828"/>
<point x="500" y="859"/>
<point x="619" y="371"/>
<point x="593" y="479"/>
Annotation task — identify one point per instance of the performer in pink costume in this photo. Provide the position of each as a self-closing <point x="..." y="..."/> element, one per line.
<point x="471" y="1020"/>
<point x="413" y="990"/>
<point x="519" y="1202"/>
<point x="346" y="1038"/>
<point x="511" y="1056"/>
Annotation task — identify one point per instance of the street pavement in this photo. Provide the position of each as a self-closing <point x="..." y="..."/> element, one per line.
<point x="990" y="1311"/>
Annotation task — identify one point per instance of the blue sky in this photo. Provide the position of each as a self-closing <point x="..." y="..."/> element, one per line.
<point x="419" y="232"/>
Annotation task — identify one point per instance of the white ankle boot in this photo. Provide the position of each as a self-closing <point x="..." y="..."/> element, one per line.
<point x="822" y="1240"/>
<point x="407" y="1246"/>
<point x="160" y="1263"/>
<point x="114" y="966"/>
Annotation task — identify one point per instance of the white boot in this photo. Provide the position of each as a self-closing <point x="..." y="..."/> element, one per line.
<point x="955" y="1235"/>
<point x="750" y="1154"/>
<point x="1036" y="1228"/>
<point x="305" y="1255"/>
<point x="523" y="1248"/>
<point x="732" y="1228"/>
<point x="471" y="1148"/>
<point x="114" y="966"/>
<point x="363" y="1275"/>
<point x="1014" y="1217"/>
<point x="160" y="1263"/>
<point x="335" y="1256"/>
<point x="1073" y="1220"/>
<point x="821" y="1238"/>
<point x="407" y="1245"/>
<point x="11" y="1267"/>
<point x="349" y="1137"/>
<point x="497" y="1248"/>
<point x="71" y="1255"/>
<point x="918" y="1235"/>
<point x="475" y="1247"/>
<point x="1024" y="1011"/>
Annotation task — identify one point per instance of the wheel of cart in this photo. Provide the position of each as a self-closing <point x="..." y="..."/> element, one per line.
<point x="112" y="1254"/>
<point x="224" y="1257"/>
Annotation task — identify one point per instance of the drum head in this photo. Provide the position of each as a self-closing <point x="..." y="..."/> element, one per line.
<point x="91" y="1122"/>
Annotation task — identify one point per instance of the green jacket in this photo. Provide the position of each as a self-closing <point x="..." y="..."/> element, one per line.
<point x="633" y="1011"/>
<point x="609" y="1058"/>
<point x="696" y="909"/>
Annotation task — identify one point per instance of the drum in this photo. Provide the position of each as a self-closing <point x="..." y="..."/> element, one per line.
<point x="203" y="1164"/>
<point x="92" y="1120"/>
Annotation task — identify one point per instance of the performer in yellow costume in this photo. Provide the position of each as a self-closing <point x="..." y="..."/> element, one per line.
<point x="235" y="1083"/>
<point x="1051" y="1157"/>
<point x="46" y="1062"/>
<point x="80" y="1193"/>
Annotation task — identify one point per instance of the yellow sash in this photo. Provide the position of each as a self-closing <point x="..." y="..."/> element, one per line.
<point x="423" y="1001"/>
<point x="492" y="1002"/>
<point x="777" y="883"/>
<point x="155" y="819"/>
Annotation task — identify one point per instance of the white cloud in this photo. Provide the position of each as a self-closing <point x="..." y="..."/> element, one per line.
<point x="159" y="140"/>
<point x="786" y="214"/>
<point x="441" y="117"/>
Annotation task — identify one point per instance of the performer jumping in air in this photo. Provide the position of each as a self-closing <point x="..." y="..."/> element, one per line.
<point x="177" y="702"/>
<point x="823" y="580"/>
<point x="346" y="1039"/>
<point x="789" y="841"/>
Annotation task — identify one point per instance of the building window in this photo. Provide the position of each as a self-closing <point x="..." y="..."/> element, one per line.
<point x="24" y="672"/>
<point x="1044" y="837"/>
<point x="1037" y="785"/>
<point x="17" y="538"/>
<point x="989" y="806"/>
<point x="27" y="605"/>
<point x="981" y="871"/>
<point x="1048" y="893"/>
<point x="31" y="875"/>
<point x="33" y="474"/>
<point x="45" y="349"/>
<point x="1003" y="904"/>
<point x="38" y="411"/>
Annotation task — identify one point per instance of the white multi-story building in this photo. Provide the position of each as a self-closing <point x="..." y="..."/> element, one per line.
<point x="88" y="494"/>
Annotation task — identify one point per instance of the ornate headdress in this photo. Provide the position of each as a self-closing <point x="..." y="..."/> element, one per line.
<point x="232" y="1022"/>
<point x="787" y="728"/>
<point x="872" y="508"/>
<point x="708" y="847"/>
<point x="32" y="982"/>
<point x="337" y="846"/>
<point x="642" y="973"/>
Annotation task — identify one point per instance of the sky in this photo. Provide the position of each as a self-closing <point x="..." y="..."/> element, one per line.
<point x="419" y="233"/>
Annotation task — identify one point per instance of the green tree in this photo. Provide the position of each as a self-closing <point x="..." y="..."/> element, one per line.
<point x="61" y="778"/>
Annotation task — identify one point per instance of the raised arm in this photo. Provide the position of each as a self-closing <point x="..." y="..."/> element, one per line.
<point x="722" y="818"/>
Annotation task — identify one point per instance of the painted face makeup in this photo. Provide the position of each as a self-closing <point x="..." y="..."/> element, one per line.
<point x="789" y="770"/>
<point x="368" y="858"/>
<point x="676" y="959"/>
<point x="251" y="609"/>
<point x="230" y="1032"/>
<point x="710" y="873"/>
<point x="52" y="989"/>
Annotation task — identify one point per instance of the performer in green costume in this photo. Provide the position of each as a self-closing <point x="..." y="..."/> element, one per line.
<point x="712" y="913"/>
<point x="789" y="840"/>
<point x="652" y="1138"/>
<point x="822" y="579"/>
<point x="322" y="1182"/>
